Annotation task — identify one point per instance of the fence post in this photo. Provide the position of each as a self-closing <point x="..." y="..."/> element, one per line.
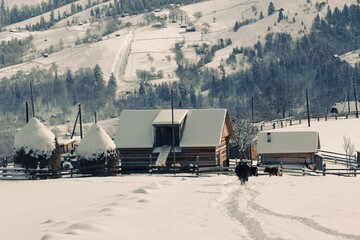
<point x="151" y="164"/>
<point x="355" y="171"/>
<point x="197" y="166"/>
<point x="325" y="117"/>
<point x="282" y="125"/>
<point x="290" y="122"/>
<point x="324" y="169"/>
<point x="4" y="164"/>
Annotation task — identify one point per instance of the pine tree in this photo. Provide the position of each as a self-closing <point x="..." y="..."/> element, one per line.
<point x="261" y="15"/>
<point x="281" y="16"/>
<point x="112" y="86"/>
<point x="193" y="97"/>
<point x="142" y="89"/>
<point x="271" y="9"/>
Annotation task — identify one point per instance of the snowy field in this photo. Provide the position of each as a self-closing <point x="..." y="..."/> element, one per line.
<point x="181" y="207"/>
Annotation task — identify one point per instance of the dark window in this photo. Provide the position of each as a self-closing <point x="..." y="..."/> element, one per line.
<point x="164" y="136"/>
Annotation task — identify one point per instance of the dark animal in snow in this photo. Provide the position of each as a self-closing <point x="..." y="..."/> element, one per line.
<point x="273" y="171"/>
<point x="242" y="170"/>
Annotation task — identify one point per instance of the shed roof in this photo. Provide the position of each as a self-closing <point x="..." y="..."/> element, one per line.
<point x="288" y="142"/>
<point x="202" y="128"/>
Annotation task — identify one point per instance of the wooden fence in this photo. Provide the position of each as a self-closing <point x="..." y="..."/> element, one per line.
<point x="290" y="121"/>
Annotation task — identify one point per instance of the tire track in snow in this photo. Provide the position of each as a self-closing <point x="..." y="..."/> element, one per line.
<point x="305" y="221"/>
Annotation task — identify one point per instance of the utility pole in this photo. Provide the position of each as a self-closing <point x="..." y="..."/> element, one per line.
<point x="32" y="99"/>
<point x="356" y="106"/>
<point x="27" y="111"/>
<point x="173" y="127"/>
<point x="307" y="107"/>
<point x="348" y="100"/>
<point x="252" y="109"/>
<point x="81" y="131"/>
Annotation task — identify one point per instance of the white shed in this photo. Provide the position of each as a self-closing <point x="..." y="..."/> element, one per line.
<point x="288" y="147"/>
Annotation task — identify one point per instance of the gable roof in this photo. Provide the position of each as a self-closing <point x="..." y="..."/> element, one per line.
<point x="202" y="127"/>
<point x="135" y="129"/>
<point x="288" y="142"/>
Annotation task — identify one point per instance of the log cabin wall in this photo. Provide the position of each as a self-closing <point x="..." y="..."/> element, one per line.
<point x="294" y="158"/>
<point x="132" y="157"/>
<point x="141" y="157"/>
<point x="222" y="153"/>
<point x="189" y="156"/>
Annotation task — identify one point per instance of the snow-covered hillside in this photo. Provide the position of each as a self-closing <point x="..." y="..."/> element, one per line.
<point x="151" y="49"/>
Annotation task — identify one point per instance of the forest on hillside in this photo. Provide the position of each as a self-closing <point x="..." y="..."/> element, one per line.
<point x="114" y="9"/>
<point x="281" y="70"/>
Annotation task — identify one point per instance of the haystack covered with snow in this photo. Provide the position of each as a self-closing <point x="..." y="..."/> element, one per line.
<point x="97" y="148"/>
<point x="35" y="143"/>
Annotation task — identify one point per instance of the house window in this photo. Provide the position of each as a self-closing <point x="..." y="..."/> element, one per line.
<point x="163" y="136"/>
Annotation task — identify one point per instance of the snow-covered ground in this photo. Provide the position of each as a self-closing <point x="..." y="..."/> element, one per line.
<point x="181" y="207"/>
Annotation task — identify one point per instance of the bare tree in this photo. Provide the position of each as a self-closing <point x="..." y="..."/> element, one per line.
<point x="244" y="132"/>
<point x="348" y="146"/>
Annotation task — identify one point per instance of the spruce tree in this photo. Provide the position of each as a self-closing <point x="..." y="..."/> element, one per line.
<point x="112" y="86"/>
<point x="271" y="9"/>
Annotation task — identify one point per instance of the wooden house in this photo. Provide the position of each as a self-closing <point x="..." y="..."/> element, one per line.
<point x="66" y="145"/>
<point x="297" y="147"/>
<point x="201" y="136"/>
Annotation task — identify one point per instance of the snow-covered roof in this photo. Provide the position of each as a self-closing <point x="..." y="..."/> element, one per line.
<point x="202" y="127"/>
<point x="164" y="117"/>
<point x="135" y="129"/>
<point x="343" y="107"/>
<point x="288" y="142"/>
<point x="95" y="142"/>
<point x="35" y="136"/>
<point x="63" y="141"/>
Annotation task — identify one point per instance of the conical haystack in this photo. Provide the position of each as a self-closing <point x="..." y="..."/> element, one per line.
<point x="97" y="149"/>
<point x="34" y="144"/>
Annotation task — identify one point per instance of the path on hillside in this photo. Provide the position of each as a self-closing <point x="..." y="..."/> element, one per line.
<point x="122" y="56"/>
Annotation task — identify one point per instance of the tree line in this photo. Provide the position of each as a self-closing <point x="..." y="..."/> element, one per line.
<point x="20" y="13"/>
